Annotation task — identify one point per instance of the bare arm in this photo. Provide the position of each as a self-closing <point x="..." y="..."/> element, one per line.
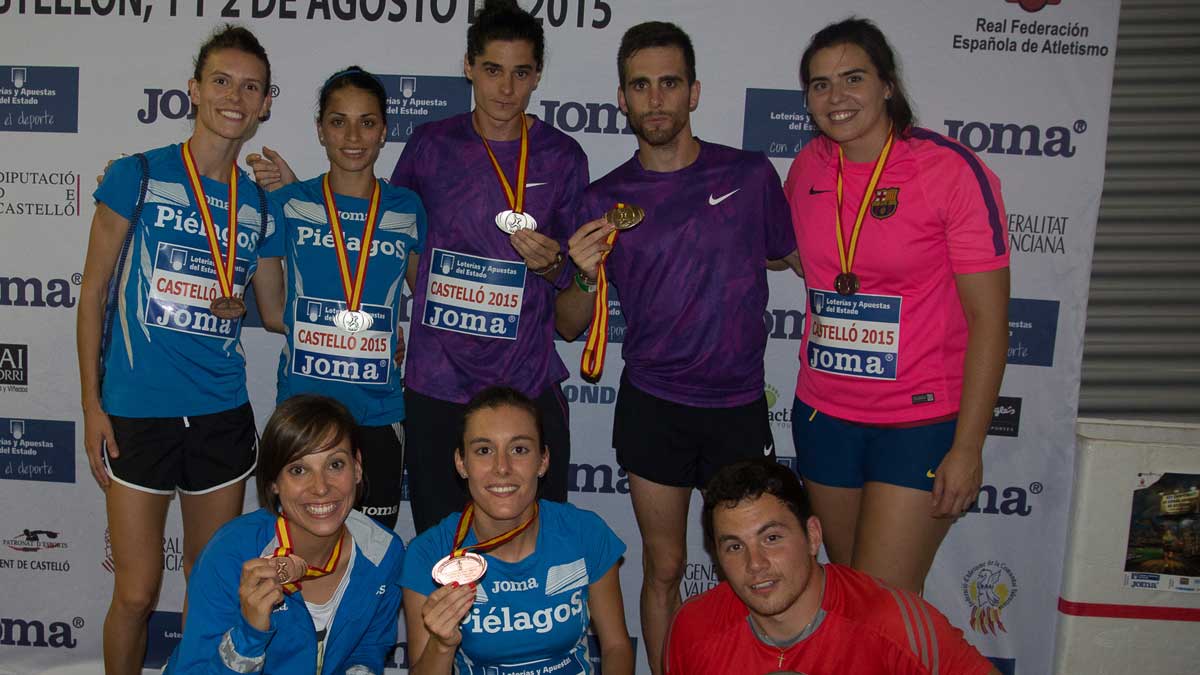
<point x="984" y="297"/>
<point x="104" y="245"/>
<point x="410" y="272"/>
<point x="608" y="617"/>
<point x="270" y="294"/>
<point x="573" y="311"/>
<point x="790" y="261"/>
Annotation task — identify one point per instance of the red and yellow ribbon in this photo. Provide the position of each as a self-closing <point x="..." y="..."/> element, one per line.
<point x="464" y="526"/>
<point x="352" y="286"/>
<point x="285" y="548"/>
<point x="592" y="362"/>
<point x="223" y="266"/>
<point x="516" y="200"/>
<point x="846" y="257"/>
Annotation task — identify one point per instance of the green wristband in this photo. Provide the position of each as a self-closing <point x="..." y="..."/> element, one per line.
<point x="583" y="284"/>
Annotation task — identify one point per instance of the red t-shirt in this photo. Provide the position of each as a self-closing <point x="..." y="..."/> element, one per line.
<point x="868" y="629"/>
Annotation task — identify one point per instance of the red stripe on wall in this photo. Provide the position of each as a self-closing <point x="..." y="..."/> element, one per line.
<point x="1109" y="611"/>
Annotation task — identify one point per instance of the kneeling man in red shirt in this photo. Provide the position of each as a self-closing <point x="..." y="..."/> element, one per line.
<point x="780" y="610"/>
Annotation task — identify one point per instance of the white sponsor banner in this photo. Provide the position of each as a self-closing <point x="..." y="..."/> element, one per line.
<point x="1023" y="83"/>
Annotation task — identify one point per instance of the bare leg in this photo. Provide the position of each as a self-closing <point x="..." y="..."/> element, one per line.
<point x="661" y="512"/>
<point x="203" y="515"/>
<point x="897" y="538"/>
<point x="838" y="510"/>
<point x="136" y="521"/>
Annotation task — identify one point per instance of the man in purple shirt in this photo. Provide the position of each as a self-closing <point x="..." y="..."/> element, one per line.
<point x="692" y="283"/>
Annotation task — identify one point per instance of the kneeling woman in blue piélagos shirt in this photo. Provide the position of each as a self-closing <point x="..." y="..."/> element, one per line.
<point x="548" y="568"/>
<point x="341" y="616"/>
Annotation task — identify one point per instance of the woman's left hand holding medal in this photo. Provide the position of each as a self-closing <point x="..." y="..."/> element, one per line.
<point x="541" y="253"/>
<point x="260" y="591"/>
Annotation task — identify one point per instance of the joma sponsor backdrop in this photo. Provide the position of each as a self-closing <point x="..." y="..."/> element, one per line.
<point x="1038" y="117"/>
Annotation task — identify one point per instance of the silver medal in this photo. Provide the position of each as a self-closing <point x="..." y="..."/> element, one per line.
<point x="510" y="221"/>
<point x="352" y="322"/>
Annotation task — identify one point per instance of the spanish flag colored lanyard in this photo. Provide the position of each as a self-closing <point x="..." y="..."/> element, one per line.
<point x="283" y="534"/>
<point x="352" y="286"/>
<point x="464" y="566"/>
<point x="847" y="283"/>
<point x="223" y="265"/>
<point x="592" y="362"/>
<point x="514" y="218"/>
<point x="464" y="526"/>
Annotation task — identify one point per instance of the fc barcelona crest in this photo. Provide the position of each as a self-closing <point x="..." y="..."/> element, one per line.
<point x="884" y="203"/>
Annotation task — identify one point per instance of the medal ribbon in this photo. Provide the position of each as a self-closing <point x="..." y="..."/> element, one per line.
<point x="285" y="547"/>
<point x="516" y="201"/>
<point x="592" y="362"/>
<point x="224" y="266"/>
<point x="464" y="526"/>
<point x="352" y="288"/>
<point x="846" y="258"/>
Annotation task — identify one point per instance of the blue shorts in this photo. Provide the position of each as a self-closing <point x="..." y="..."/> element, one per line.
<point x="837" y="453"/>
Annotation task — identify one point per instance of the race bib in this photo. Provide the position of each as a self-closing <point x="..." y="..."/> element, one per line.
<point x="567" y="665"/>
<point x="323" y="351"/>
<point x="854" y="335"/>
<point x="183" y="285"/>
<point x="474" y="295"/>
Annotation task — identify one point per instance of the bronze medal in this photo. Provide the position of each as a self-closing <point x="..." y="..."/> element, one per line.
<point x="465" y="569"/>
<point x="227" y="307"/>
<point x="290" y="568"/>
<point x="625" y="216"/>
<point x="846" y="283"/>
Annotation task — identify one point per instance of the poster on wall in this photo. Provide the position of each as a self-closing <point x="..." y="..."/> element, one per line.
<point x="1163" y="553"/>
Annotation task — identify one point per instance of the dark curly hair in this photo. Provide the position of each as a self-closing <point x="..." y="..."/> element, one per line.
<point x="749" y="480"/>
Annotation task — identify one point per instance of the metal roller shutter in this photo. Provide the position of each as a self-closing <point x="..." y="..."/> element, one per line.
<point x="1141" y="355"/>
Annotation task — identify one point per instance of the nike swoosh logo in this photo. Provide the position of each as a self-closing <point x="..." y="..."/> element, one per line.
<point x="713" y="201"/>
<point x="529" y="185"/>
<point x="812" y="190"/>
<point x="929" y="473"/>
